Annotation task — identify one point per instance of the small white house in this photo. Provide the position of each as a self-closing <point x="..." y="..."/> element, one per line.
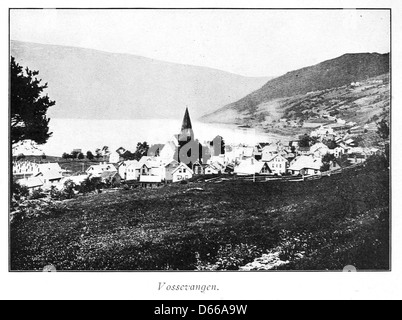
<point x="31" y="183"/>
<point x="168" y="169"/>
<point x="122" y="168"/>
<point x="252" y="166"/>
<point x="132" y="171"/>
<point x="182" y="172"/>
<point x="97" y="169"/>
<point x="277" y="163"/>
<point x="211" y="169"/>
<point x="49" y="178"/>
<point x="305" y="165"/>
<point x="319" y="150"/>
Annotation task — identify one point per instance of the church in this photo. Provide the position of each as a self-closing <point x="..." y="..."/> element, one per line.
<point x="189" y="149"/>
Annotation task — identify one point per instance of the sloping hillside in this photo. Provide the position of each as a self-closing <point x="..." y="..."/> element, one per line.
<point x="90" y="84"/>
<point x="270" y="102"/>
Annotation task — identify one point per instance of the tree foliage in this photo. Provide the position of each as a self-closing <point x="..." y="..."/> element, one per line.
<point x="90" y="156"/>
<point x="383" y="129"/>
<point x="142" y="150"/>
<point x="28" y="106"/>
<point x="305" y="141"/>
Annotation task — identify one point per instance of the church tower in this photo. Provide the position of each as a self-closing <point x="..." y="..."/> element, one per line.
<point x="186" y="133"/>
<point x="189" y="150"/>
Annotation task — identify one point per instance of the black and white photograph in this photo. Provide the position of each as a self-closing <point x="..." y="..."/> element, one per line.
<point x="200" y="140"/>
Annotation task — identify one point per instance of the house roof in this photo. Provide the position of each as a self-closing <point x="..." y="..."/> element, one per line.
<point x="128" y="163"/>
<point x="50" y="175"/>
<point x="109" y="174"/>
<point x="250" y="167"/>
<point x="31" y="182"/>
<point x="214" y="166"/>
<point x="173" y="162"/>
<point x="318" y="146"/>
<point x="306" y="162"/>
<point x="248" y="151"/>
<point x="268" y="158"/>
<point x="182" y="165"/>
<point x="270" y="148"/>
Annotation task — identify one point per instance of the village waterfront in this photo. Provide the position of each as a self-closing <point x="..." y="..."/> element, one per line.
<point x="316" y="202"/>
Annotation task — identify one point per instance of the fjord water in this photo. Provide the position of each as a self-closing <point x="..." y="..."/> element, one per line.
<point x="69" y="134"/>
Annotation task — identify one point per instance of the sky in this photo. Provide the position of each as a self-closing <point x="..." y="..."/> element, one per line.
<point x="245" y="42"/>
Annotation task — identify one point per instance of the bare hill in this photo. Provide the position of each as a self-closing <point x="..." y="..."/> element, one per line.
<point x="90" y="84"/>
<point x="271" y="101"/>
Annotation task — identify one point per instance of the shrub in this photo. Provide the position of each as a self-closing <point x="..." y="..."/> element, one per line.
<point x="19" y="191"/>
<point x="55" y="193"/>
<point x="68" y="190"/>
<point x="37" y="194"/>
<point x="89" y="185"/>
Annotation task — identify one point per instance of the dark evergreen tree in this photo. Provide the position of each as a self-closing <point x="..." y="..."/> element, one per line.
<point x="28" y="106"/>
<point x="90" y="155"/>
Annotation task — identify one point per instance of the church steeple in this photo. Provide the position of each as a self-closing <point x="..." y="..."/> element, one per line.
<point x="186" y="133"/>
<point x="186" y="121"/>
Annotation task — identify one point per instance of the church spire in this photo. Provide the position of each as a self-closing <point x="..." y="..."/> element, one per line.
<point x="186" y="121"/>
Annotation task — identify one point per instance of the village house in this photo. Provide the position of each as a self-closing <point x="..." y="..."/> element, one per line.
<point x="28" y="168"/>
<point x="319" y="150"/>
<point x="269" y="151"/>
<point x="168" y="170"/>
<point x="212" y="168"/>
<point x="151" y="166"/>
<point x="132" y="171"/>
<point x="97" y="169"/>
<point x="123" y="166"/>
<point x="49" y="177"/>
<point x="305" y="165"/>
<point x="277" y="163"/>
<point x="111" y="177"/>
<point x="198" y="168"/>
<point x="32" y="183"/>
<point x="252" y="166"/>
<point x="182" y="172"/>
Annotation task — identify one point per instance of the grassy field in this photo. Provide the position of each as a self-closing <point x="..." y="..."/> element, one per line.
<point x="318" y="225"/>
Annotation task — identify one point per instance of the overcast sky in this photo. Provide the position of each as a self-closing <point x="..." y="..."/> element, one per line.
<point x="246" y="42"/>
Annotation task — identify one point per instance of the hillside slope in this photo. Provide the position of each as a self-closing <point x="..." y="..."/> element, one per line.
<point x="90" y="84"/>
<point x="327" y="75"/>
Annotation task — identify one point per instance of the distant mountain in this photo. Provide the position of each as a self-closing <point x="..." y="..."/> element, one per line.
<point x="90" y="84"/>
<point x="326" y="75"/>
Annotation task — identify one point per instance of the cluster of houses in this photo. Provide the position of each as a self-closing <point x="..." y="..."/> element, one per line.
<point x="164" y="164"/>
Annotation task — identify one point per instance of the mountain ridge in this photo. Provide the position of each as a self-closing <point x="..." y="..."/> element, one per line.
<point x="333" y="73"/>
<point x="94" y="84"/>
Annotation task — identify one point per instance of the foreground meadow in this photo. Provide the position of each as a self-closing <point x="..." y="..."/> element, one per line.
<point x="313" y="225"/>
